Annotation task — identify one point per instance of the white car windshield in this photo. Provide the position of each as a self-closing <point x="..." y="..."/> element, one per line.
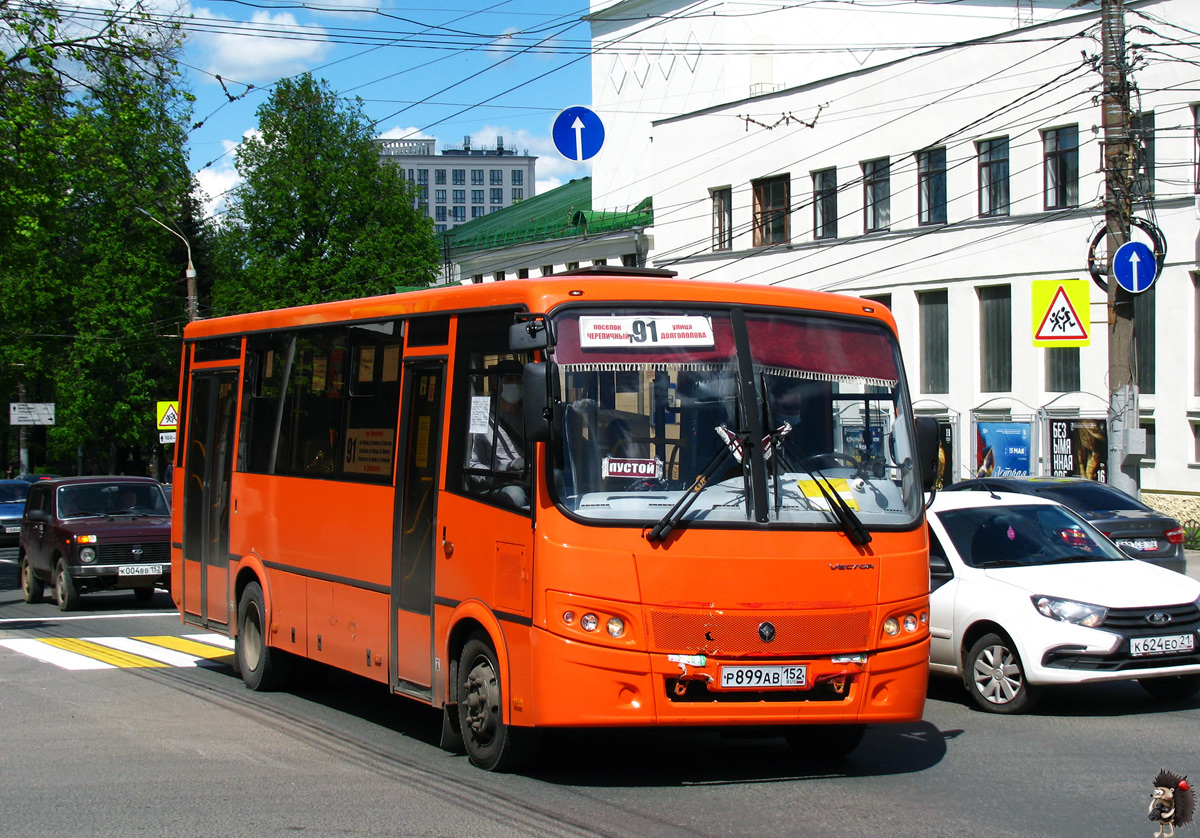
<point x="655" y="408"/>
<point x="1016" y="536"/>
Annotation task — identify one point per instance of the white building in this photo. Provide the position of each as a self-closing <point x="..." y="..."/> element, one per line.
<point x="940" y="159"/>
<point x="463" y="182"/>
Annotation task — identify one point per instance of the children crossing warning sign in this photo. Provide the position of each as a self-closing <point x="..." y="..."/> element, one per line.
<point x="1060" y="312"/>
<point x="167" y="414"/>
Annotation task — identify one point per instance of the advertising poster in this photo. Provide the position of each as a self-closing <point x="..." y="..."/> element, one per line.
<point x="1079" y="448"/>
<point x="1002" y="449"/>
<point x="945" y="454"/>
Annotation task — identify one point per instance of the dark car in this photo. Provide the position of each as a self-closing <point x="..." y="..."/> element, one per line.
<point x="82" y="534"/>
<point x="1137" y="529"/>
<point x="12" y="507"/>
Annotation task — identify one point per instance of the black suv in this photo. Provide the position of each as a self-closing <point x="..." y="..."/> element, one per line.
<point x="84" y="534"/>
<point x="1137" y="529"/>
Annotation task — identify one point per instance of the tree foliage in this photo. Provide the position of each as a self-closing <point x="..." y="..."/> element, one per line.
<point x="92" y="127"/>
<point x="317" y="217"/>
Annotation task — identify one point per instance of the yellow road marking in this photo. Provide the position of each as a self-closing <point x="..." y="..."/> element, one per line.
<point x="189" y="647"/>
<point x="102" y="653"/>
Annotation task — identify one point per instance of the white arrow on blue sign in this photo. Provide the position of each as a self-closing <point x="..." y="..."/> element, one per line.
<point x="1134" y="267"/>
<point x="578" y="133"/>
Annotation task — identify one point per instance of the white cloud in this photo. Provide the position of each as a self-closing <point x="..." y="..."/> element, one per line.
<point x="409" y="133"/>
<point x="243" y="51"/>
<point x="218" y="180"/>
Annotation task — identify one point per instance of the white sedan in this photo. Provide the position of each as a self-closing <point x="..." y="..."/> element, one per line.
<point x="1025" y="594"/>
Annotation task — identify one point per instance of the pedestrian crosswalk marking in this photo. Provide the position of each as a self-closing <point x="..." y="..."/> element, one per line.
<point x="126" y="652"/>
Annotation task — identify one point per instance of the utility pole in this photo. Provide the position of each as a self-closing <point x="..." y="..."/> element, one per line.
<point x="22" y="435"/>
<point x="1124" y="466"/>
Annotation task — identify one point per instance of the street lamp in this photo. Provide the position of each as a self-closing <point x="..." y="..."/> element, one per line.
<point x="191" y="271"/>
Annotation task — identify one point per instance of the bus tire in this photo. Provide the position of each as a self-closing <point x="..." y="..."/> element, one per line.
<point x="263" y="668"/>
<point x="490" y="743"/>
<point x="825" y="742"/>
<point x="32" y="588"/>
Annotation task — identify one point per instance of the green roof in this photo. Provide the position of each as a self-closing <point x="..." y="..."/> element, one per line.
<point x="563" y="212"/>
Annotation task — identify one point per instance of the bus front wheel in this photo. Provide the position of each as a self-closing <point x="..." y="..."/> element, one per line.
<point x="490" y="743"/>
<point x="263" y="668"/>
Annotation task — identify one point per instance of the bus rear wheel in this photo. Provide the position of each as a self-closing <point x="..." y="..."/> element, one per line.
<point x="263" y="669"/>
<point x="490" y="743"/>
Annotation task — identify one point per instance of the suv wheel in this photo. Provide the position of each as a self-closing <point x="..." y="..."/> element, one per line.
<point x="65" y="591"/>
<point x="32" y="588"/>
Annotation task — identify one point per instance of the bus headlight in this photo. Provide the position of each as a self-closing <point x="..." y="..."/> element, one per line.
<point x="891" y="626"/>
<point x="589" y="622"/>
<point x="616" y="627"/>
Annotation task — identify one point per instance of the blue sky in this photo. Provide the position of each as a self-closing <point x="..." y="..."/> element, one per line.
<point x="467" y="67"/>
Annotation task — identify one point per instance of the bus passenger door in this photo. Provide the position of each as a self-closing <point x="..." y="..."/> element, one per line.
<point x="413" y="540"/>
<point x="212" y="416"/>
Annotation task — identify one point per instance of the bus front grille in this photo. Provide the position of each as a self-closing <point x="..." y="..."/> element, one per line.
<point x="745" y="633"/>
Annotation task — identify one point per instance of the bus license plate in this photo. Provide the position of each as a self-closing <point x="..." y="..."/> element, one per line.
<point x="1142" y="544"/>
<point x="1162" y="645"/>
<point x="759" y="677"/>
<point x="139" y="570"/>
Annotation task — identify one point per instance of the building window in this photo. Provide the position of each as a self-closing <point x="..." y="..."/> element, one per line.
<point x="522" y="273"/>
<point x="884" y="300"/>
<point x="599" y="262"/>
<point x="934" y="324"/>
<point x="547" y="270"/>
<point x="458" y="214"/>
<point x="1196" y="148"/>
<point x="1196" y="443"/>
<point x="497" y="196"/>
<point x="1142" y="127"/>
<point x="439" y="228"/>
<point x="439" y="196"/>
<point x="931" y="183"/>
<point x="477" y="278"/>
<point x="477" y="177"/>
<point x="518" y="194"/>
<point x="1151" y="442"/>
<point x="498" y="276"/>
<point x="1062" y="369"/>
<point x="572" y="266"/>
<point x="770" y="210"/>
<point x="825" y="204"/>
<point x="476" y="196"/>
<point x="439" y="177"/>
<point x="497" y="177"/>
<point x="423" y="176"/>
<point x="995" y="339"/>
<point x="722" y="218"/>
<point x="1061" y="172"/>
<point x="459" y="195"/>
<point x="993" y="176"/>
<point x="439" y="213"/>
<point x="518" y="177"/>
<point x="1143" y="339"/>
<point x="877" y="195"/>
<point x="629" y="260"/>
<point x="478" y="212"/>
<point x="459" y="176"/>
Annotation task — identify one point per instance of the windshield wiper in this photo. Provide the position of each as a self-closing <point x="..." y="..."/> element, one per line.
<point x="852" y="525"/>
<point x="675" y="515"/>
<point x="1000" y="563"/>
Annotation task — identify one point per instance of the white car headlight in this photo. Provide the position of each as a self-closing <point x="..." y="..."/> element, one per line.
<point x="1069" y="611"/>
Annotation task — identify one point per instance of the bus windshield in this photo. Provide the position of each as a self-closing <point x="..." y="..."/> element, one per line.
<point x="657" y="404"/>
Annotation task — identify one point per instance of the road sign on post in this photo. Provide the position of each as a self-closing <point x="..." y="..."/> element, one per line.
<point x="30" y="413"/>
<point x="578" y="134"/>
<point x="1134" y="267"/>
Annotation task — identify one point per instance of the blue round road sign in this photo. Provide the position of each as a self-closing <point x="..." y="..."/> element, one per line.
<point x="1134" y="267"/>
<point x="578" y="134"/>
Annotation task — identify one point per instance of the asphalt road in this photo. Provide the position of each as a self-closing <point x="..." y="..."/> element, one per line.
<point x="188" y="751"/>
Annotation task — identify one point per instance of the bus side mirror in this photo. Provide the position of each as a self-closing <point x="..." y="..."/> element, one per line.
<point x="927" y="451"/>
<point x="530" y="333"/>
<point x="537" y="401"/>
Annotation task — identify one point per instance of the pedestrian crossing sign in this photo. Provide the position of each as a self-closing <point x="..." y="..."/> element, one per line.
<point x="168" y="415"/>
<point x="1060" y="312"/>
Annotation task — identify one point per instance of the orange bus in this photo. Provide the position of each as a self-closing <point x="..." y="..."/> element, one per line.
<point x="593" y="499"/>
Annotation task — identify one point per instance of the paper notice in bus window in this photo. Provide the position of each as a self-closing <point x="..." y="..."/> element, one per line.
<point x="366" y="363"/>
<point x="370" y="450"/>
<point x="645" y="332"/>
<point x="422" y="452"/>
<point x="320" y="368"/>
<point x="480" y="410"/>
<point x="813" y="492"/>
<point x="391" y="363"/>
<point x="651" y="469"/>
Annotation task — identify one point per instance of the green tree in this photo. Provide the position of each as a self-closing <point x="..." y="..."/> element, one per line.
<point x="92" y="126"/>
<point x="317" y="217"/>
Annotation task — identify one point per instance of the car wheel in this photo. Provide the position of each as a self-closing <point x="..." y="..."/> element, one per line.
<point x="490" y="743"/>
<point x="143" y="594"/>
<point x="263" y="668"/>
<point x="995" y="677"/>
<point x="32" y="588"/>
<point x="824" y="742"/>
<point x="1172" y="687"/>
<point x="65" y="592"/>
